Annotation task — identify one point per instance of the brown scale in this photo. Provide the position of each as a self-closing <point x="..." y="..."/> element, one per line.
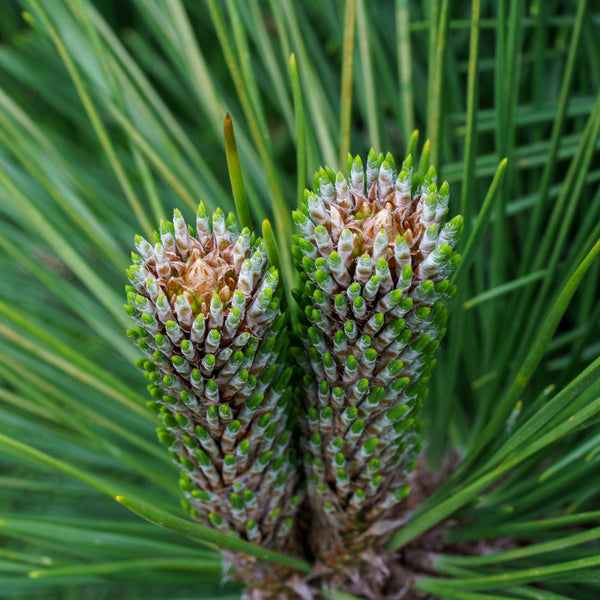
<point x="205" y="272"/>
<point x="200" y="281"/>
<point x="366" y="228"/>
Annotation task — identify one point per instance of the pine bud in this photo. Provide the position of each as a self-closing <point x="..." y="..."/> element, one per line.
<point x="207" y="309"/>
<point x="375" y="262"/>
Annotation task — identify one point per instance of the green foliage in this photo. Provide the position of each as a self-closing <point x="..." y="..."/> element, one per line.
<point x="111" y="115"/>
